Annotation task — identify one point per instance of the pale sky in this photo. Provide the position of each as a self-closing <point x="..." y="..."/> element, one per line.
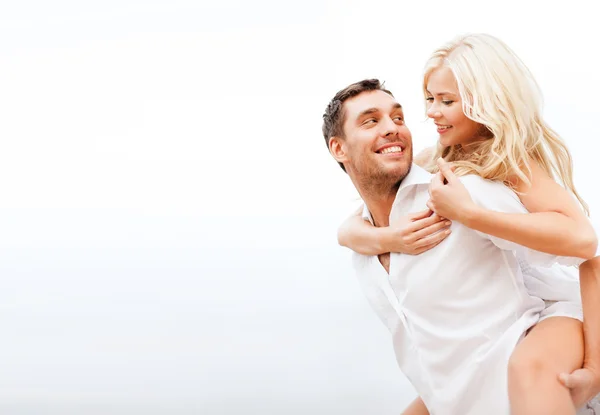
<point x="169" y="207"/>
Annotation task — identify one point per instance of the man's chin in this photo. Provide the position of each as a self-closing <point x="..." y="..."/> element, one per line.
<point x="398" y="169"/>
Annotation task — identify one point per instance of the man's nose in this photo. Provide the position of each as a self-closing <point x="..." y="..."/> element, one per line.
<point x="390" y="127"/>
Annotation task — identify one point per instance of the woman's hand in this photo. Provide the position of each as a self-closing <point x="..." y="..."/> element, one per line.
<point x="452" y="199"/>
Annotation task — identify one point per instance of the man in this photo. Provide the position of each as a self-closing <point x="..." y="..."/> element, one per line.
<point x="457" y="311"/>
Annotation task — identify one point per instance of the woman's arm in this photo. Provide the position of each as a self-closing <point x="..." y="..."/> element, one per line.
<point x="556" y="224"/>
<point x="412" y="234"/>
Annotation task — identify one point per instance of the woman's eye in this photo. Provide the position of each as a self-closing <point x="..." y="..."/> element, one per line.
<point x="447" y="102"/>
<point x="429" y="99"/>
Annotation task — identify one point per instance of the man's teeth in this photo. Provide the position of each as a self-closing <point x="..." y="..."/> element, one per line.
<point x="394" y="149"/>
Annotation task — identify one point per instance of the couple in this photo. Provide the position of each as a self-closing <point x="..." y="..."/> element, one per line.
<point x="485" y="316"/>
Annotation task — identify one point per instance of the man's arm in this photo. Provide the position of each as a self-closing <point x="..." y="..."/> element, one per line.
<point x="589" y="276"/>
<point x="584" y="383"/>
<point x="417" y="407"/>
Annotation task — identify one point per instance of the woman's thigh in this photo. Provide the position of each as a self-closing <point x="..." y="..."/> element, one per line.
<point x="556" y="343"/>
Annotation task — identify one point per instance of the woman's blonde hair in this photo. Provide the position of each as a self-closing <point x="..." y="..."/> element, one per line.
<point x="498" y="91"/>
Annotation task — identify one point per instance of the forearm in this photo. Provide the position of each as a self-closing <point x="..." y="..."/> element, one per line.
<point x="417" y="407"/>
<point x="550" y="232"/>
<point x="589" y="275"/>
<point x="362" y="237"/>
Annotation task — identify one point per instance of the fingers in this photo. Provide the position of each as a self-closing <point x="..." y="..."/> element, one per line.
<point x="430" y="205"/>
<point x="565" y="380"/>
<point x="446" y="170"/>
<point x="437" y="180"/>
<point x="430" y="241"/>
<point x="431" y="230"/>
<point x="419" y="224"/>
<point x="418" y="238"/>
<point x="421" y="215"/>
<point x="579" y="386"/>
<point x="427" y="247"/>
<point x="578" y="379"/>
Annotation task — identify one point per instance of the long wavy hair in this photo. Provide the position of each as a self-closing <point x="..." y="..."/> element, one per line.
<point x="499" y="92"/>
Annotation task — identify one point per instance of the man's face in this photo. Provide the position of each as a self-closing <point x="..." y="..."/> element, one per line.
<point x="377" y="147"/>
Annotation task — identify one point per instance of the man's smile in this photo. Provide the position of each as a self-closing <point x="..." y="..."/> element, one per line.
<point x="391" y="148"/>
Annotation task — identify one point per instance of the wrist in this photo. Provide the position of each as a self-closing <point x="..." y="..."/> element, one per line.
<point x="470" y="215"/>
<point x="592" y="363"/>
<point x="383" y="239"/>
<point x="595" y="377"/>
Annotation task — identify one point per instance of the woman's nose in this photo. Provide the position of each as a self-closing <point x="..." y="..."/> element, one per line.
<point x="433" y="112"/>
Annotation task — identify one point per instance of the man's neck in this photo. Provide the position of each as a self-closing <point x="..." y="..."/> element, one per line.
<point x="379" y="201"/>
<point x="380" y="210"/>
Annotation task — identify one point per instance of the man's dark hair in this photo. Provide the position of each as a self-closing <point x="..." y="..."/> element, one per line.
<point x="334" y="116"/>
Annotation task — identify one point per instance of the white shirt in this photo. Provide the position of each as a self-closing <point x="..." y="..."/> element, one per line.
<point x="457" y="311"/>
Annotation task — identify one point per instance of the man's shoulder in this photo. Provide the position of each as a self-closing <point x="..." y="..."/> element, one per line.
<point x="481" y="188"/>
<point x="474" y="181"/>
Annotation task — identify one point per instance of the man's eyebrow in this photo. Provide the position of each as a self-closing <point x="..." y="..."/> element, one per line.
<point x="369" y="111"/>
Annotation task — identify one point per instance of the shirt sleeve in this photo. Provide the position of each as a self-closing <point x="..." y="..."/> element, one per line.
<point x="498" y="197"/>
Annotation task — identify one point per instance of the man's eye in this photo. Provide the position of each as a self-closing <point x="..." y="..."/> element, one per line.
<point x="370" y="121"/>
<point x="398" y="118"/>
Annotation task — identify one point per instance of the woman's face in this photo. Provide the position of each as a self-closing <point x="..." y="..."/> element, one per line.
<point x="444" y="107"/>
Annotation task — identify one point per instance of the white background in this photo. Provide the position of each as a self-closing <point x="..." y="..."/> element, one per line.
<point x="168" y="207"/>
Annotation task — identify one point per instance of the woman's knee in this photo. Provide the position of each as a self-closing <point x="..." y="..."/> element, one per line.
<point x="528" y="368"/>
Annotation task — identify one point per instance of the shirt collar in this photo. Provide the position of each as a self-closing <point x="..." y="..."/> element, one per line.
<point x="416" y="176"/>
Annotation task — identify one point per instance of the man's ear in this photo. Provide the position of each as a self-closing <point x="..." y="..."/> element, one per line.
<point x="337" y="148"/>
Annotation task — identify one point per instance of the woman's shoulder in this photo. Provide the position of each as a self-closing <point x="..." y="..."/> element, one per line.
<point x="425" y="157"/>
<point x="529" y="172"/>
